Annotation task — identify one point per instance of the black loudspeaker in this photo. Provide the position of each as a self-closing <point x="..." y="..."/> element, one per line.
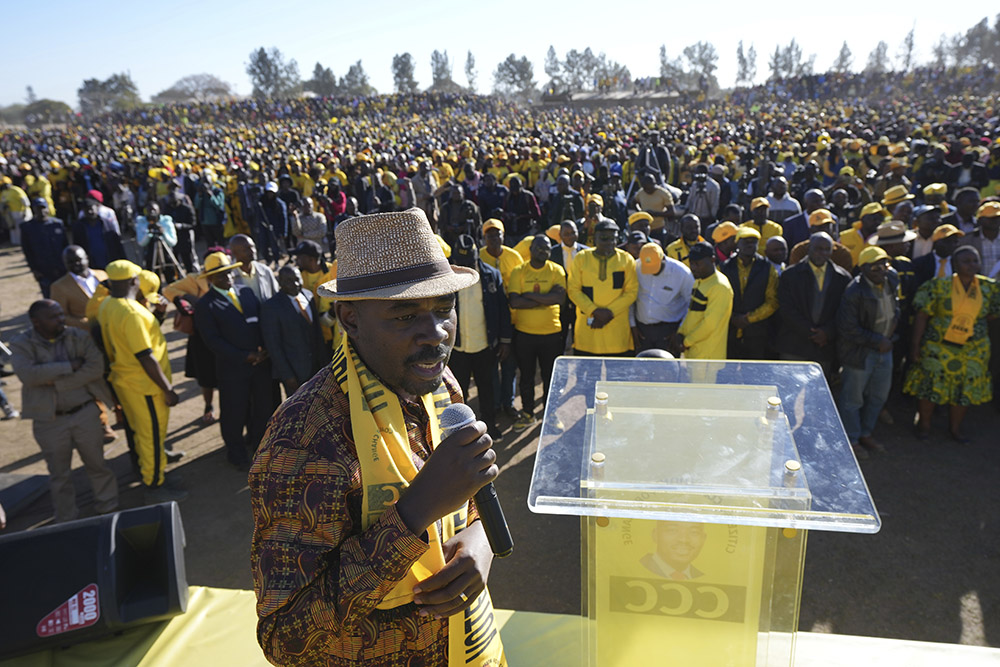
<point x="68" y="583"/>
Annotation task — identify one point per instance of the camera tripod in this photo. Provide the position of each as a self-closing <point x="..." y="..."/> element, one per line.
<point x="160" y="259"/>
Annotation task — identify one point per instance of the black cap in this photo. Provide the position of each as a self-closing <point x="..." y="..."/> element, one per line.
<point x="701" y="250"/>
<point x="464" y="245"/>
<point x="310" y="248"/>
<point x="638" y="237"/>
<point x="606" y="224"/>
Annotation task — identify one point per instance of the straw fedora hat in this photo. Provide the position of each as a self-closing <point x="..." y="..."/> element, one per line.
<point x="895" y="195"/>
<point x="392" y="256"/>
<point x="893" y="231"/>
<point x="218" y="262"/>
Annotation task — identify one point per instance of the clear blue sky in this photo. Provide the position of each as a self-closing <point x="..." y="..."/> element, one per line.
<point x="162" y="42"/>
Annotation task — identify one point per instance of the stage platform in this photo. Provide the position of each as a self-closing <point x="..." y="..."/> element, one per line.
<point x="218" y="630"/>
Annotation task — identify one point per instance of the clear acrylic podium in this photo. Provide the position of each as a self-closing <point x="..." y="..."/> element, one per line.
<point x="697" y="482"/>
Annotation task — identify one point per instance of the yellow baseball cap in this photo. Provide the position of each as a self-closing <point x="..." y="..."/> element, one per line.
<point x="820" y="216"/>
<point x="650" y="258"/>
<point x="872" y="253"/>
<point x="492" y="223"/>
<point x="747" y="233"/>
<point x="122" y="269"/>
<point x="944" y="231"/>
<point x="990" y="209"/>
<point x="724" y="230"/>
<point x="640" y="215"/>
<point x="149" y="283"/>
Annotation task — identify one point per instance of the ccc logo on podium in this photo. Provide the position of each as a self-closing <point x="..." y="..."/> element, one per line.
<point x="683" y="599"/>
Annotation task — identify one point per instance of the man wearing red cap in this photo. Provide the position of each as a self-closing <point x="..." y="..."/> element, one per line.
<point x="97" y="232"/>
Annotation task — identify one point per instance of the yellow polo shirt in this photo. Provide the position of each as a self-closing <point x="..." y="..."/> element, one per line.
<point x="706" y="327"/>
<point x="680" y="250"/>
<point x="508" y="260"/>
<point x="128" y="328"/>
<point x="526" y="279"/>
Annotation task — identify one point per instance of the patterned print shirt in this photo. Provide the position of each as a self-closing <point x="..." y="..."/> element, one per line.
<point x="317" y="575"/>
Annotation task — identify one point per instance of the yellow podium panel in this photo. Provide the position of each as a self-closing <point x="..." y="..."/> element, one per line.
<point x="696" y="482"/>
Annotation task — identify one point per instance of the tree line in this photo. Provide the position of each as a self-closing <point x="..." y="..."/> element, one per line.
<point x="694" y="68"/>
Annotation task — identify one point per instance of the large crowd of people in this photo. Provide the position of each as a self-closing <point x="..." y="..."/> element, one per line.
<point x="858" y="233"/>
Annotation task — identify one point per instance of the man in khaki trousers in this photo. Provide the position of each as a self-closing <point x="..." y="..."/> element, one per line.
<point x="60" y="369"/>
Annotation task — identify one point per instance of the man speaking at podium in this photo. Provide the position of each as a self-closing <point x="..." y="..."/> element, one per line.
<point x="366" y="550"/>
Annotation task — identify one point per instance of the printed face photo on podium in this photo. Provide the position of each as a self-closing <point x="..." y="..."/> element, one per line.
<point x="676" y="544"/>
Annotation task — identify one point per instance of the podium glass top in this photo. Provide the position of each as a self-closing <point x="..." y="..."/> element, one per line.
<point x="736" y="442"/>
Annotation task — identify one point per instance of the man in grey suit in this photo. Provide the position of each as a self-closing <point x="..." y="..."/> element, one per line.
<point x="255" y="275"/>
<point x="290" y="326"/>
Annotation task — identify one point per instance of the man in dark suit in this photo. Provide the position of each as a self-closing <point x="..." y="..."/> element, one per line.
<point x="289" y="323"/>
<point x="228" y="319"/>
<point x="795" y="228"/>
<point x="964" y="215"/>
<point x="808" y="297"/>
<point x="562" y="254"/>
<point x="755" y="297"/>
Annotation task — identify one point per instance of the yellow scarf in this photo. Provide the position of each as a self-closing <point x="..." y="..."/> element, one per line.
<point x="965" y="307"/>
<point x="387" y="468"/>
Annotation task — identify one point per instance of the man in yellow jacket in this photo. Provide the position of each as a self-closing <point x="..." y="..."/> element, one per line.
<point x="602" y="286"/>
<point x="704" y="333"/>
<point x="856" y="238"/>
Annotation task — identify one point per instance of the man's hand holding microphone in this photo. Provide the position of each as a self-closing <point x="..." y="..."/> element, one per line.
<point x="462" y="466"/>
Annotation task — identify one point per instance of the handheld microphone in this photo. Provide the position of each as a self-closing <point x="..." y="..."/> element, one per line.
<point x="454" y="417"/>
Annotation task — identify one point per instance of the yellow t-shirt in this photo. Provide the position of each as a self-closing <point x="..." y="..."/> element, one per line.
<point x="508" y="260"/>
<point x="768" y="230"/>
<point x="523" y="248"/>
<point x="128" y="329"/>
<point x="657" y="201"/>
<point x="526" y="279"/>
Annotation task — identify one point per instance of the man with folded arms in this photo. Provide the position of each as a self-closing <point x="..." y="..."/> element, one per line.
<point x="61" y="373"/>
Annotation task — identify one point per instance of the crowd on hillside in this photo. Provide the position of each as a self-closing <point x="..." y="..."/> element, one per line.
<point x="861" y="234"/>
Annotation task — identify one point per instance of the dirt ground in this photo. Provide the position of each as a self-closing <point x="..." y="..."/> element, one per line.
<point x="931" y="574"/>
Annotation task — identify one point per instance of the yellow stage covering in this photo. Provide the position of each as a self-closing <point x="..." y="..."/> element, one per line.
<point x="218" y="631"/>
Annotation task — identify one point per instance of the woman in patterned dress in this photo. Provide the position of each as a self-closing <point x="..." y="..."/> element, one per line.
<point x="951" y="348"/>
